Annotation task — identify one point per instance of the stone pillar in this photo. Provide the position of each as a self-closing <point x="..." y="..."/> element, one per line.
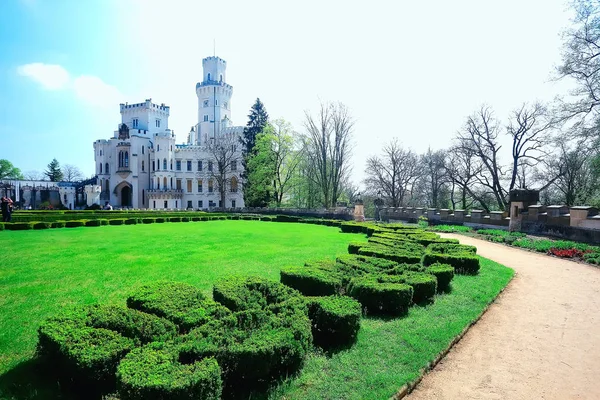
<point x="496" y="217"/>
<point x="431" y="213"/>
<point x="444" y="212"/>
<point x="419" y="212"/>
<point x="459" y="215"/>
<point x="476" y="216"/>
<point x="580" y="214"/>
<point x="534" y="211"/>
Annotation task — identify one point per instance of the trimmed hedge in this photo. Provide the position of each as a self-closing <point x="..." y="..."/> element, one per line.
<point x="75" y="223"/>
<point x="378" y="297"/>
<point x="82" y="353"/>
<point x="180" y="303"/>
<point x="148" y="220"/>
<point x="424" y="285"/>
<point x="335" y="320"/>
<point x="444" y="274"/>
<point x="451" y="248"/>
<point x="399" y="256"/>
<point x="246" y="293"/>
<point x="117" y="221"/>
<point x="42" y="225"/>
<point x="464" y="263"/>
<point x="155" y="372"/>
<point x="131" y="221"/>
<point x="312" y="280"/>
<point x="141" y="327"/>
<point x="93" y="222"/>
<point x="1" y="226"/>
<point x="350" y="227"/>
<point x="58" y="224"/>
<point x="18" y="226"/>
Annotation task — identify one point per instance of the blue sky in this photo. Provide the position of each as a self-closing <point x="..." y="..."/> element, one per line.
<point x="405" y="69"/>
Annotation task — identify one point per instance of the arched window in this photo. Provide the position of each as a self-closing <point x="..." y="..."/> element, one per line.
<point x="234" y="184"/>
<point x="158" y="147"/>
<point x="165" y="182"/>
<point x="171" y="165"/>
<point x="165" y="164"/>
<point x="106" y="170"/>
<point x="221" y="78"/>
<point x="209" y="76"/>
<point x="142" y="149"/>
<point x="142" y="165"/>
<point x="100" y="167"/>
<point x="158" y="183"/>
<point x="126" y="159"/>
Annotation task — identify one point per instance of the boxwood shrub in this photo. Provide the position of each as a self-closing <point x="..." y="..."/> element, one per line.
<point x="148" y="220"/>
<point x="58" y="224"/>
<point x="155" y="372"/>
<point x="175" y="219"/>
<point x="42" y="225"/>
<point x="335" y="320"/>
<point x="463" y="263"/>
<point x="83" y="353"/>
<point x="93" y="222"/>
<point x="185" y="219"/>
<point x="180" y="303"/>
<point x="451" y="248"/>
<point x="1" y="226"/>
<point x="116" y="221"/>
<point x="350" y="227"/>
<point x="424" y="285"/>
<point x="131" y="221"/>
<point x="19" y="226"/>
<point x="312" y="280"/>
<point x="444" y="274"/>
<point x="377" y="297"/>
<point x="75" y="223"/>
<point x="399" y="256"/>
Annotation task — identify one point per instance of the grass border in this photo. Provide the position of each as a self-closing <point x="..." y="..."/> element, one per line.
<point x="407" y="388"/>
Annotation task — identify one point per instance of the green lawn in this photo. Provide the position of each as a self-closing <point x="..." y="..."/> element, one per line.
<point x="43" y="271"/>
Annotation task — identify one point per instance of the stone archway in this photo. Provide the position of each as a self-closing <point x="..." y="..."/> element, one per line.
<point x="124" y="193"/>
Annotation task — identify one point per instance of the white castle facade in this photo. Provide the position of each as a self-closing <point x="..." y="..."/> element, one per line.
<point x="142" y="167"/>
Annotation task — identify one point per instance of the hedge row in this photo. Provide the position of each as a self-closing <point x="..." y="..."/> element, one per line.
<point x="335" y="320"/>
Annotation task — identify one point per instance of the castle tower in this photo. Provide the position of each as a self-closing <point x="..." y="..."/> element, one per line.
<point x="214" y="100"/>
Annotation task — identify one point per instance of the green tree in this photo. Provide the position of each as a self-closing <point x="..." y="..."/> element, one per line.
<point x="9" y="171"/>
<point x="54" y="173"/>
<point x="257" y="121"/>
<point x="286" y="158"/>
<point x="258" y="191"/>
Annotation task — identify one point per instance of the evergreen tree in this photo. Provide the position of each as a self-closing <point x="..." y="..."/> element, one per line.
<point x="257" y="120"/>
<point x="54" y="173"/>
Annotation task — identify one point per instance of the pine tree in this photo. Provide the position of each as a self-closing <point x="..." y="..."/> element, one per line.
<point x="54" y="173"/>
<point x="257" y="120"/>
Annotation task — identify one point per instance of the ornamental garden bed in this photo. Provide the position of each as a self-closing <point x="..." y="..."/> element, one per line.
<point x="144" y="339"/>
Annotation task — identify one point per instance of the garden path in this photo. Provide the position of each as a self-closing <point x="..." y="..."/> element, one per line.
<point x="540" y="339"/>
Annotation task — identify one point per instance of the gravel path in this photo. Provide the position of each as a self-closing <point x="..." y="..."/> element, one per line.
<point x="539" y="340"/>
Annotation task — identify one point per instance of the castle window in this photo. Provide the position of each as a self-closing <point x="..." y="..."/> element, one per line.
<point x="205" y="104"/>
<point x="158" y="147"/>
<point x="210" y="186"/>
<point x="234" y="184"/>
<point x="199" y="165"/>
<point x="126" y="159"/>
<point x="209" y="76"/>
<point x="100" y="152"/>
<point x="216" y="102"/>
<point x="165" y="182"/>
<point x="106" y="169"/>
<point x="142" y="149"/>
<point x="200" y="204"/>
<point x="205" y="117"/>
<point x="234" y="165"/>
<point x="199" y="185"/>
<point x="153" y="166"/>
<point x="178" y="184"/>
<point x="178" y="165"/>
<point x="135" y="122"/>
<point x="189" y="204"/>
<point x="189" y="186"/>
<point x="225" y="104"/>
<point x="189" y="165"/>
<point x="165" y="164"/>
<point x="100" y="167"/>
<point x="166" y="202"/>
<point x="171" y="165"/>
<point x="158" y="123"/>
<point x="142" y="165"/>
<point x="210" y="167"/>
<point x="221" y="78"/>
<point x="158" y="183"/>
<point x="232" y="203"/>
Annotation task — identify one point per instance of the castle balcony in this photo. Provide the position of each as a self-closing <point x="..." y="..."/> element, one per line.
<point x="213" y="83"/>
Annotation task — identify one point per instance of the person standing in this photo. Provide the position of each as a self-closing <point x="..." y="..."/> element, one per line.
<point x="6" y="209"/>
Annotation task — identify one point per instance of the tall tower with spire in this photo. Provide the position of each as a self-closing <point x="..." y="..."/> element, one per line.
<point x="214" y="100"/>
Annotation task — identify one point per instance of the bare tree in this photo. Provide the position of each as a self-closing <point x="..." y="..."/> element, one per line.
<point x="393" y="173"/>
<point x="462" y="167"/>
<point x="71" y="173"/>
<point x="581" y="62"/>
<point x="226" y="157"/>
<point x="328" y="146"/>
<point x="434" y="175"/>
<point x="577" y="176"/>
<point x="34" y="175"/>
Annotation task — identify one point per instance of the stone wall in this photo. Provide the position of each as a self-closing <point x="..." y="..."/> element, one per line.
<point x="343" y="213"/>
<point x="581" y="223"/>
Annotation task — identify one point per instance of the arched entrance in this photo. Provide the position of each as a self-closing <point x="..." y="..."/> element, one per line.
<point x="126" y="196"/>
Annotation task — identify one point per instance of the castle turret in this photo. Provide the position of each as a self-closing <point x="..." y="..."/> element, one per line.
<point x="214" y="96"/>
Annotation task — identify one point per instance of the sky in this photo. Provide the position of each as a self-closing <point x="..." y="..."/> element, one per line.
<point x="405" y="69"/>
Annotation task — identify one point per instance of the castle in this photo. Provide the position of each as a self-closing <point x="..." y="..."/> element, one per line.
<point x="142" y="167"/>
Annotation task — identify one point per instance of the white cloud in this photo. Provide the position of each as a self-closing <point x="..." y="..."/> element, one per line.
<point x="91" y="89"/>
<point x="50" y="76"/>
<point x="95" y="91"/>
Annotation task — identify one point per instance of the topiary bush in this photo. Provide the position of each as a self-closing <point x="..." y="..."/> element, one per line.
<point x="75" y="223"/>
<point x="399" y="256"/>
<point x="175" y="219"/>
<point x="131" y="221"/>
<point x="18" y="226"/>
<point x="312" y="280"/>
<point x="148" y="220"/>
<point x="117" y="221"/>
<point x="156" y="372"/>
<point x="444" y="274"/>
<point x="382" y="298"/>
<point x="180" y="303"/>
<point x="335" y="320"/>
<point x="42" y="225"/>
<point x="58" y="224"/>
<point x="463" y="263"/>
<point x="424" y="285"/>
<point x="451" y="248"/>
<point x="93" y="222"/>
<point x="82" y="353"/>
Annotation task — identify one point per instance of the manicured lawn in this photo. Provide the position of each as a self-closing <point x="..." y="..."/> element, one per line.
<point x="43" y="271"/>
